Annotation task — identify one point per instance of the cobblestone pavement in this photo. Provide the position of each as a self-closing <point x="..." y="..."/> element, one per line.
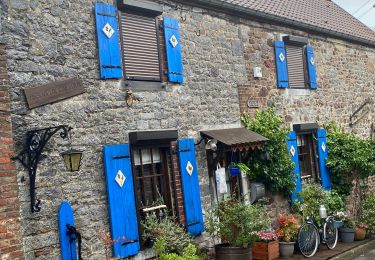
<point x="370" y="255"/>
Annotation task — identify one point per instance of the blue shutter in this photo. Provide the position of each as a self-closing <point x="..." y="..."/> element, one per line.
<point x="281" y="65"/>
<point x="121" y="200"/>
<point x="109" y="48"/>
<point x="174" y="59"/>
<point x="68" y="250"/>
<point x="293" y="151"/>
<point x="190" y="187"/>
<point x="322" y="155"/>
<point x="311" y="67"/>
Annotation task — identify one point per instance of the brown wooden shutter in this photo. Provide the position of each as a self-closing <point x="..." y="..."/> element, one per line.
<point x="140" y="47"/>
<point x="295" y="66"/>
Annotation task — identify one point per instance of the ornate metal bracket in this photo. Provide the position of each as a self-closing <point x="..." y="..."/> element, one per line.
<point x="31" y="154"/>
<point x="351" y="121"/>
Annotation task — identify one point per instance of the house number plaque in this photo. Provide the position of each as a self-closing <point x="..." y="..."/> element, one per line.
<point x="253" y="103"/>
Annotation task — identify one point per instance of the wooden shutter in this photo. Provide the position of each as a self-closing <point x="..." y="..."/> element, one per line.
<point x="108" y="46"/>
<point x="322" y="155"/>
<point x="140" y="47"/>
<point x="310" y="61"/>
<point x="190" y="186"/>
<point x="281" y="67"/>
<point x="68" y="249"/>
<point x="295" y="66"/>
<point x="121" y="200"/>
<point x="173" y="50"/>
<point x="293" y="151"/>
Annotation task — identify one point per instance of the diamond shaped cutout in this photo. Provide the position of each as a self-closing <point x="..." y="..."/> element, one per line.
<point x="108" y="30"/>
<point x="292" y="150"/>
<point x="312" y="61"/>
<point x="324" y="147"/>
<point x="282" y="57"/>
<point x="173" y="41"/>
<point x="189" y="168"/>
<point x="120" y="178"/>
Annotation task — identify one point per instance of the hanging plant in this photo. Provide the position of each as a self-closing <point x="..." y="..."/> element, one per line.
<point x="272" y="165"/>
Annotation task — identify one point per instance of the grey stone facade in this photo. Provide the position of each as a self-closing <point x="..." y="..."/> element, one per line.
<point x="53" y="40"/>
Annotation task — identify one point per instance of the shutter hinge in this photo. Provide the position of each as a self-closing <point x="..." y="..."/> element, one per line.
<point x="127" y="242"/>
<point x="120" y="157"/>
<point x="106" y="14"/>
<point x="175" y="73"/>
<point x="111" y="67"/>
<point x="193" y="223"/>
<point x="184" y="150"/>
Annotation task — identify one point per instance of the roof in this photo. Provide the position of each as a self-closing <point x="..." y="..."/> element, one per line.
<point x="321" y="13"/>
<point x="236" y="138"/>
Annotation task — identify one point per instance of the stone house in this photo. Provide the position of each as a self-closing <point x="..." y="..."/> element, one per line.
<point x="157" y="76"/>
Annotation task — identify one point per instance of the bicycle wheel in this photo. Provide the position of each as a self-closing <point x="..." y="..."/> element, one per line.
<point x="308" y="239"/>
<point x="330" y="233"/>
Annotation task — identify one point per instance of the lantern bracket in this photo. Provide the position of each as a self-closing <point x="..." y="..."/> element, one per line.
<point x="31" y="154"/>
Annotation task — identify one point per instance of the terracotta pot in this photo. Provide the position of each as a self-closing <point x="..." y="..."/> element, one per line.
<point x="265" y="250"/>
<point x="227" y="252"/>
<point x="360" y="233"/>
<point x="287" y="249"/>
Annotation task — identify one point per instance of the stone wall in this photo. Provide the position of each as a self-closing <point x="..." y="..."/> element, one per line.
<point x="53" y="40"/>
<point x="10" y="224"/>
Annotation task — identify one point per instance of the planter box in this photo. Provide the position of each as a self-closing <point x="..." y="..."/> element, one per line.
<point x="265" y="251"/>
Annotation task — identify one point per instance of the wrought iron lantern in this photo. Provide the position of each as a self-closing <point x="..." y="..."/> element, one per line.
<point x="72" y="159"/>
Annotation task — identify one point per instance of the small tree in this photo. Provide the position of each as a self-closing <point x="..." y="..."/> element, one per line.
<point x="350" y="160"/>
<point x="272" y="165"/>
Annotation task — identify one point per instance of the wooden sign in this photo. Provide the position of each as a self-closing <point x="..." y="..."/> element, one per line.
<point x="52" y="92"/>
<point x="253" y="103"/>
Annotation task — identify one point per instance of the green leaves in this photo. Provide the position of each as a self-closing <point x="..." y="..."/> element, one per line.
<point x="274" y="170"/>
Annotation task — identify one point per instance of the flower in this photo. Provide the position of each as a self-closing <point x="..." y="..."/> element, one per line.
<point x="288" y="228"/>
<point x="362" y="225"/>
<point x="267" y="236"/>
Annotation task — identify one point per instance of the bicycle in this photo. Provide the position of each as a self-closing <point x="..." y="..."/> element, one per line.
<point x="309" y="236"/>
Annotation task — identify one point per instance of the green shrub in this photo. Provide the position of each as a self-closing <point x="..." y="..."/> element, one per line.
<point x="189" y="253"/>
<point x="236" y="223"/>
<point x="272" y="164"/>
<point x="367" y="213"/>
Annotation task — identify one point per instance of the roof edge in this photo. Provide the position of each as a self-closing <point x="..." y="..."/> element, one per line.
<point x="221" y="6"/>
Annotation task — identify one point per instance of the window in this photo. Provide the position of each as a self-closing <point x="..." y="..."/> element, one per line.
<point x="140" y="46"/>
<point x="295" y="65"/>
<point x="307" y="157"/>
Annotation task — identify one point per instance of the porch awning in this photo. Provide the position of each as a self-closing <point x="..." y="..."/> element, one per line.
<point x="236" y="138"/>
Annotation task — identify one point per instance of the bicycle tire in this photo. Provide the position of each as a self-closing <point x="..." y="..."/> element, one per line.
<point x="308" y="239"/>
<point x="330" y="233"/>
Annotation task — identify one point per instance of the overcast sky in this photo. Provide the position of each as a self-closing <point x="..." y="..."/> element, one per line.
<point x="366" y="14"/>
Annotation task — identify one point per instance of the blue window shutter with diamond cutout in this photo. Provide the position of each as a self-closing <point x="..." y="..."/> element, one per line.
<point x="281" y="65"/>
<point x="293" y="152"/>
<point x="121" y="201"/>
<point x="173" y="50"/>
<point x="322" y="156"/>
<point x="190" y="187"/>
<point x="311" y="67"/>
<point x="109" y="46"/>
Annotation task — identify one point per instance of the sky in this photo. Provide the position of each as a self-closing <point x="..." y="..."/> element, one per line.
<point x="366" y="14"/>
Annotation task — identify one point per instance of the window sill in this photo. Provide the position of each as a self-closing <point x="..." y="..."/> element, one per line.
<point x="297" y="91"/>
<point x="143" y="85"/>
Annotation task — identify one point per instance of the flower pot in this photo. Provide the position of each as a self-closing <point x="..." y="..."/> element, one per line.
<point x="338" y="223"/>
<point x="347" y="235"/>
<point x="360" y="234"/>
<point x="265" y="250"/>
<point x="228" y="252"/>
<point x="286" y="249"/>
<point x="234" y="171"/>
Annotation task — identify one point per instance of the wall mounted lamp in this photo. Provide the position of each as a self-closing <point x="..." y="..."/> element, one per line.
<point x="211" y="144"/>
<point x="31" y="154"/>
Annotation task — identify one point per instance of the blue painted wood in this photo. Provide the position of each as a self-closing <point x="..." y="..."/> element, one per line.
<point x="292" y="142"/>
<point x="322" y="156"/>
<point x="122" y="209"/>
<point x="311" y="67"/>
<point x="68" y="250"/>
<point x="174" y="58"/>
<point x="190" y="187"/>
<point x="281" y="65"/>
<point x="109" y="48"/>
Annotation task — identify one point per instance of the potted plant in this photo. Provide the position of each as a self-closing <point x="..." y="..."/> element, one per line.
<point x="367" y="213"/>
<point x="347" y="231"/>
<point x="287" y="231"/>
<point x="235" y="224"/>
<point x="360" y="231"/>
<point x="267" y="246"/>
